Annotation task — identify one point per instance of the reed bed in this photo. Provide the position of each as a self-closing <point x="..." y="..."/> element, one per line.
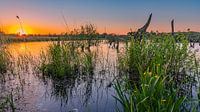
<point x="6" y="100"/>
<point x="160" y="73"/>
<point x="65" y="60"/>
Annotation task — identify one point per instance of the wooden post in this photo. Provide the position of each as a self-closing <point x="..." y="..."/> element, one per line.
<point x="143" y="29"/>
<point x="172" y="26"/>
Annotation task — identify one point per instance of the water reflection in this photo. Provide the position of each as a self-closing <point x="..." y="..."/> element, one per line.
<point x="24" y="48"/>
<point x="85" y="92"/>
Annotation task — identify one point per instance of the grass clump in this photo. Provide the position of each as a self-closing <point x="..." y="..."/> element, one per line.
<point x="59" y="61"/>
<point x="4" y="60"/>
<point x="163" y="51"/>
<point x="65" y="60"/>
<point x="154" y="93"/>
<point x="7" y="103"/>
<point x="88" y="61"/>
<point x="159" y="70"/>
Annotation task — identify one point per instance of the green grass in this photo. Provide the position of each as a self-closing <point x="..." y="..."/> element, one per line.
<point x="7" y="103"/>
<point x="4" y="60"/>
<point x="65" y="60"/>
<point x="157" y="71"/>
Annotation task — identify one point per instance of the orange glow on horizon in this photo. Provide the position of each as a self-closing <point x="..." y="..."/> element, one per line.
<point x="30" y="29"/>
<point x="16" y="29"/>
<point x="21" y="33"/>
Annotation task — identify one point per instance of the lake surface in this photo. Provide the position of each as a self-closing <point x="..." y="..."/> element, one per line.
<point x="34" y="93"/>
<point x="90" y="93"/>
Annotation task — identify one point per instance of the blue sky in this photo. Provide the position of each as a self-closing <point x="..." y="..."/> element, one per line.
<point x="117" y="16"/>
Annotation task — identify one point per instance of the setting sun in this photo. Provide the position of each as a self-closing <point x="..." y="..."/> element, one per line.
<point x="15" y="29"/>
<point x="21" y="32"/>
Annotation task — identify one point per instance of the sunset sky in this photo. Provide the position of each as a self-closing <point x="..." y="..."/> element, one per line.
<point x="114" y="16"/>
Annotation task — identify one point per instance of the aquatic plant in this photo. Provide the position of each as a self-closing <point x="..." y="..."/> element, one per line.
<point x="154" y="93"/>
<point x="60" y="60"/>
<point x="173" y="57"/>
<point x="7" y="103"/>
<point x="64" y="59"/>
<point x="64" y="66"/>
<point x="88" y="63"/>
<point x="4" y="59"/>
<point x="159" y="71"/>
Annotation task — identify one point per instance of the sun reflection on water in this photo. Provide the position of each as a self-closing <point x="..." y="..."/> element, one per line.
<point x="25" y="48"/>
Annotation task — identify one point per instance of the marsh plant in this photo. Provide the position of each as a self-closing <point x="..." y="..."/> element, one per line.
<point x="7" y="103"/>
<point x="159" y="71"/>
<point x="6" y="100"/>
<point x="64" y="66"/>
<point x="65" y="60"/>
<point x="4" y="60"/>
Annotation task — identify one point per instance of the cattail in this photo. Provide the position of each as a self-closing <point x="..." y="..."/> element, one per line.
<point x="20" y="24"/>
<point x="17" y="17"/>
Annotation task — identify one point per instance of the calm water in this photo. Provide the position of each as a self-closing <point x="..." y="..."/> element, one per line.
<point x="33" y="93"/>
<point x="89" y="93"/>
